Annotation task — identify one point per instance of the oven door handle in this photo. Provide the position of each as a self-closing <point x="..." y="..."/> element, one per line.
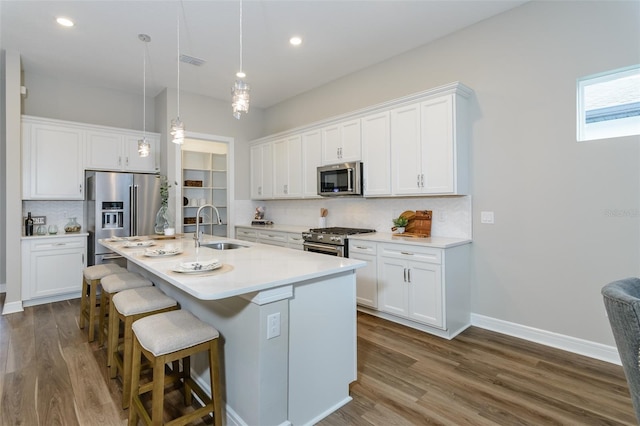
<point x="324" y="247"/>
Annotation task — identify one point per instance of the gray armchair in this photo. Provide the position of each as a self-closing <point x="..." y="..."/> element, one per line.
<point x="622" y="301"/>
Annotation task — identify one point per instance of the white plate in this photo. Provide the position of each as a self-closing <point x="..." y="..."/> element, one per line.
<point x="162" y="252"/>
<point x="130" y="244"/>
<point x="193" y="268"/>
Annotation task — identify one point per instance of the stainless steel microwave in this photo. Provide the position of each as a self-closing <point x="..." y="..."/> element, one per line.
<point x="340" y="179"/>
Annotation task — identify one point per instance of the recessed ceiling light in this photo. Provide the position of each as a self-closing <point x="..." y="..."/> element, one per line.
<point x="295" y="40"/>
<point x="65" y="22"/>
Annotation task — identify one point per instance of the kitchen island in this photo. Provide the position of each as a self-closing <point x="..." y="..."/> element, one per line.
<point x="287" y="321"/>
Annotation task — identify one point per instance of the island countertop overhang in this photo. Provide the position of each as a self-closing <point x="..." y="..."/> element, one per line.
<point x="256" y="268"/>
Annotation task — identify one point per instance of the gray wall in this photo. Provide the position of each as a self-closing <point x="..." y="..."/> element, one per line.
<point x="567" y="214"/>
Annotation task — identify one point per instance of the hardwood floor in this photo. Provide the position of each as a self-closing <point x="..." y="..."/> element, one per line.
<point x="49" y="374"/>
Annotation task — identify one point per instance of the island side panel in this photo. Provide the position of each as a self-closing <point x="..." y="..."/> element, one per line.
<point x="254" y="368"/>
<point x="322" y="347"/>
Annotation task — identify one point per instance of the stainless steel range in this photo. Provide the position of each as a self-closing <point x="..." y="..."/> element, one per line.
<point x="333" y="241"/>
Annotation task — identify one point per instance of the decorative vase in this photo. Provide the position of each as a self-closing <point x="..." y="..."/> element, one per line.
<point x="163" y="219"/>
<point x="72" y="226"/>
<point x="400" y="230"/>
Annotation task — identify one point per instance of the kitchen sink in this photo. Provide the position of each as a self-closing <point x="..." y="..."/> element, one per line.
<point x="224" y="246"/>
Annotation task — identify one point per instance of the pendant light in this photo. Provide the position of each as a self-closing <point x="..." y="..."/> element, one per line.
<point x="177" y="126"/>
<point x="144" y="148"/>
<point x="240" y="91"/>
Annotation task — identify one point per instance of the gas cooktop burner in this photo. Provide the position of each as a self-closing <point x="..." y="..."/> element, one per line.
<point x="343" y="231"/>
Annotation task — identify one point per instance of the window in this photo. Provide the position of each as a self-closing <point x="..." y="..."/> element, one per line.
<point x="609" y="104"/>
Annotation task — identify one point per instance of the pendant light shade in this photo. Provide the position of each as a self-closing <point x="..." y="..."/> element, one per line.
<point x="144" y="148"/>
<point x="240" y="92"/>
<point x="177" y="126"/>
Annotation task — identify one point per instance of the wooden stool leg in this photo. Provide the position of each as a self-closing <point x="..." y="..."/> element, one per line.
<point x="93" y="299"/>
<point x="83" y="303"/>
<point x="157" y="403"/>
<point x="105" y="302"/>
<point x="112" y="340"/>
<point x="135" y="402"/>
<point x="214" y="375"/>
<point x="127" y="362"/>
<point x="186" y="374"/>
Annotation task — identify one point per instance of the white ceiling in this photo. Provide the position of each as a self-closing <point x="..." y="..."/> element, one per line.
<point x="339" y="38"/>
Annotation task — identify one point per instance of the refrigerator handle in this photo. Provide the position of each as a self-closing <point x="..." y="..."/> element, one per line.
<point x="131" y="209"/>
<point x="134" y="209"/>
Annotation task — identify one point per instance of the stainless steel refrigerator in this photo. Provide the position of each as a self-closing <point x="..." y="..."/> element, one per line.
<point x="119" y="205"/>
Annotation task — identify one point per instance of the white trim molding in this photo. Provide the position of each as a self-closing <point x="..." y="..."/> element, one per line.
<point x="12" y="307"/>
<point x="549" y="338"/>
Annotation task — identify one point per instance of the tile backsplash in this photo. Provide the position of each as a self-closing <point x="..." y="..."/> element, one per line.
<point x="452" y="216"/>
<point x="57" y="212"/>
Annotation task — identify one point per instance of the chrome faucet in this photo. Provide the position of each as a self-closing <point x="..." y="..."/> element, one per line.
<point x="196" y="237"/>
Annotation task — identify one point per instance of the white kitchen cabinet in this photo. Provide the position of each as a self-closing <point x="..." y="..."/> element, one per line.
<point x="341" y="142"/>
<point x="430" y="152"/>
<point x="287" y="170"/>
<point x="118" y="151"/>
<point x="295" y="241"/>
<point x="204" y="181"/>
<point x="52" y="160"/>
<point x="366" y="277"/>
<point x="274" y="238"/>
<point x="52" y="268"/>
<point x="376" y="154"/>
<point x="311" y="160"/>
<point x="410" y="283"/>
<point x="262" y="171"/>
<point x="246" y="234"/>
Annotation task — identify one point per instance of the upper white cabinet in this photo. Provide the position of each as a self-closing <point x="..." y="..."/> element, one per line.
<point x="341" y="142"/>
<point x="311" y="159"/>
<point x="430" y="150"/>
<point x="52" y="161"/>
<point x="413" y="146"/>
<point x="55" y="154"/>
<point x="118" y="151"/>
<point x="262" y="171"/>
<point x="287" y="170"/>
<point x="376" y="154"/>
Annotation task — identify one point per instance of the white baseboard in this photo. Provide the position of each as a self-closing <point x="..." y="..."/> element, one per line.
<point x="548" y="338"/>
<point x="12" y="307"/>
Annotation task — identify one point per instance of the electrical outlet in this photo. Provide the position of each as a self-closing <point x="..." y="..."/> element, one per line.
<point x="273" y="325"/>
<point x="486" y="217"/>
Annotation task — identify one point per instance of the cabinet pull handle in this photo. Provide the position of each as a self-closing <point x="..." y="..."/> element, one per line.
<point x="406" y="253"/>
<point x="60" y="244"/>
<point x="119" y="160"/>
<point x="409" y="275"/>
<point x="422" y="180"/>
<point x="80" y="188"/>
<point x="405" y="275"/>
<point x="418" y="180"/>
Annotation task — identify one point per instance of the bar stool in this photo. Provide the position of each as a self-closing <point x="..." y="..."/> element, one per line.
<point x="111" y="285"/>
<point x="164" y="338"/>
<point x="91" y="277"/>
<point x="128" y="306"/>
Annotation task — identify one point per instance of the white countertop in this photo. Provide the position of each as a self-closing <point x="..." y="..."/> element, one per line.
<point x="246" y="270"/>
<point x="387" y="237"/>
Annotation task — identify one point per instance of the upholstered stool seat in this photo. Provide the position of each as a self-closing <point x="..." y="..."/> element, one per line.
<point x="111" y="285"/>
<point x="128" y="306"/>
<point x="91" y="277"/>
<point x="164" y="338"/>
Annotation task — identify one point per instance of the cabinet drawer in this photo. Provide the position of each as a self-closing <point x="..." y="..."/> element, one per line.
<point x="57" y="244"/>
<point x="362" y="247"/>
<point x="295" y="240"/>
<point x="246" y="234"/>
<point x="272" y="238"/>
<point x="410" y="252"/>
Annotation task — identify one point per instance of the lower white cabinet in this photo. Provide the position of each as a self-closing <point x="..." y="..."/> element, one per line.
<point x="410" y="283"/>
<point x="423" y="287"/>
<point x="366" y="277"/>
<point x="52" y="268"/>
<point x="292" y="240"/>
